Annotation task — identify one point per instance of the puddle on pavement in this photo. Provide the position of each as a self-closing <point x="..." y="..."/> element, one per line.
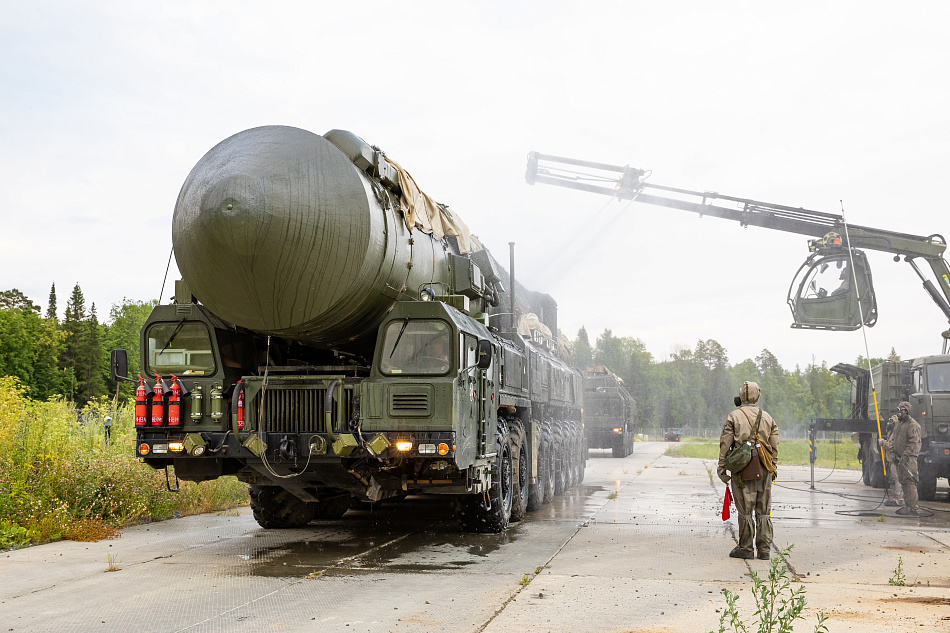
<point x="418" y="534"/>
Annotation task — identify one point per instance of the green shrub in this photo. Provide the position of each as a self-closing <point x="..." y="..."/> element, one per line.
<point x="777" y="603"/>
<point x="59" y="478"/>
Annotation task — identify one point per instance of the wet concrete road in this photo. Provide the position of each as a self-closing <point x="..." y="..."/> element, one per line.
<point x="639" y="546"/>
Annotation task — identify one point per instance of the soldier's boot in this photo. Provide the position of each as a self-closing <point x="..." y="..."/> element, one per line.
<point x="741" y="553"/>
<point x="908" y="511"/>
<point x="763" y="554"/>
<point x="890" y="503"/>
<point x="745" y="548"/>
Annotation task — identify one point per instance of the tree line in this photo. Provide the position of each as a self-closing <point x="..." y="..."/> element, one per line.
<point x="68" y="357"/>
<point x="694" y="388"/>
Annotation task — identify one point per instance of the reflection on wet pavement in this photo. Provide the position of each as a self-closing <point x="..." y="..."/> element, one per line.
<point x="417" y="534"/>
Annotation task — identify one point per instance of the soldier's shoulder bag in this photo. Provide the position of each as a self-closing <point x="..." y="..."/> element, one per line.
<point x="753" y="469"/>
<point x="738" y="457"/>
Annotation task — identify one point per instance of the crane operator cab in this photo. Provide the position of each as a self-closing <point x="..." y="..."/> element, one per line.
<point x="826" y="294"/>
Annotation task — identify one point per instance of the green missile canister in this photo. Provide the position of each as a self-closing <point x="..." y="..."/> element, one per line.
<point x="280" y="231"/>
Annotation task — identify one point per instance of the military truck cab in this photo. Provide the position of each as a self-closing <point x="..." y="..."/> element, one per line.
<point x="930" y="402"/>
<point x="191" y="362"/>
<point x="432" y="394"/>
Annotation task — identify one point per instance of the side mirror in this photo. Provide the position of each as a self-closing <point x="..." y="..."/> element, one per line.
<point x="119" y="366"/>
<point x="483" y="352"/>
<point x="906" y="378"/>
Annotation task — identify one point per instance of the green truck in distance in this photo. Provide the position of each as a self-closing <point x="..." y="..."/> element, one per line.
<point x="339" y="337"/>
<point x="610" y="413"/>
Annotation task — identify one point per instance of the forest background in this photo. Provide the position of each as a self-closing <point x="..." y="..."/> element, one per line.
<point x="689" y="389"/>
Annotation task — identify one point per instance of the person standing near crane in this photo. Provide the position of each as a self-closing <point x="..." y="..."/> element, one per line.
<point x="906" y="445"/>
<point x="893" y="465"/>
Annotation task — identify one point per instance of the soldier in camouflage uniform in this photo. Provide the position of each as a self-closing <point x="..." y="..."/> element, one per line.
<point x="751" y="496"/>
<point x="894" y="493"/>
<point x="907" y="448"/>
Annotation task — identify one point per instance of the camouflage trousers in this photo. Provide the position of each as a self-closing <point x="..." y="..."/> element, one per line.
<point x="754" y="498"/>
<point x="894" y="492"/>
<point x="907" y="473"/>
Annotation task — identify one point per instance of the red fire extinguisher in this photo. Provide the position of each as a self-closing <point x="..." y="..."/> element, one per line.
<point x="141" y="403"/>
<point x="240" y="407"/>
<point x="158" y="403"/>
<point x="174" y="403"/>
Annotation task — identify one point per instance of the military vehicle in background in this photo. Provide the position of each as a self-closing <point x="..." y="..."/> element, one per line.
<point x="672" y="435"/>
<point x="339" y="336"/>
<point x="925" y="383"/>
<point x="610" y="413"/>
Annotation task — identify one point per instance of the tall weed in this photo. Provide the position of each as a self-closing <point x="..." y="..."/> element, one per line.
<point x="59" y="478"/>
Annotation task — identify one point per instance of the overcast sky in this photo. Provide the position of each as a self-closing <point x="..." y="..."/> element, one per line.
<point x="106" y="106"/>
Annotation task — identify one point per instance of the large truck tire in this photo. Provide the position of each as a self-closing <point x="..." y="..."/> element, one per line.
<point x="275" y="508"/>
<point x="618" y="449"/>
<point x="536" y="490"/>
<point x="560" y="461"/>
<point x="927" y="486"/>
<point x="520" y="477"/>
<point x="876" y="470"/>
<point x="865" y="464"/>
<point x="473" y="514"/>
<point x="573" y="456"/>
<point x="583" y="461"/>
<point x="333" y="507"/>
<point x="550" y="465"/>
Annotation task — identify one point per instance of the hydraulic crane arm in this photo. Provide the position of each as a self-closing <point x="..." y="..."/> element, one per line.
<point x="628" y="183"/>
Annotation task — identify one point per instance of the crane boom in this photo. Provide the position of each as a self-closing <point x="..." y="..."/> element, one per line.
<point x="629" y="183"/>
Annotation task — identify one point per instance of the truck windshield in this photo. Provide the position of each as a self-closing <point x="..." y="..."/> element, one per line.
<point x="416" y="346"/>
<point x="180" y="348"/>
<point x="938" y="377"/>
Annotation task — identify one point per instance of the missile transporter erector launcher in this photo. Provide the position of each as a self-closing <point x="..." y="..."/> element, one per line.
<point x="339" y="336"/>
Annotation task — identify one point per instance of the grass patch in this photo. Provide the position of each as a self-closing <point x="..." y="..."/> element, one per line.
<point x="59" y="479"/>
<point x="112" y="563"/>
<point x="790" y="453"/>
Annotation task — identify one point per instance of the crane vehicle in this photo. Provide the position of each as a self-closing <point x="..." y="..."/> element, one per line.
<point x="339" y="336"/>
<point x="831" y="290"/>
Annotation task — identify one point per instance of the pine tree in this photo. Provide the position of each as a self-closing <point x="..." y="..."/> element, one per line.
<point x="73" y="352"/>
<point x="51" y="308"/>
<point x="91" y="383"/>
<point x="583" y="354"/>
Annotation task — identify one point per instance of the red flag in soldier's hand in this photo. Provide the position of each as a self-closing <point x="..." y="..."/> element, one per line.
<point x="726" y="502"/>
